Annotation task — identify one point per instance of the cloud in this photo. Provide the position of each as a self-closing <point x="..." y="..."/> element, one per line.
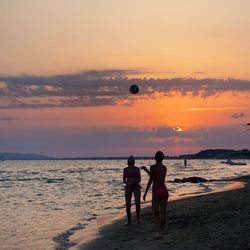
<point x="95" y="142"/>
<point x="211" y="109"/>
<point x="98" y="88"/>
<point x="122" y="141"/>
<point x="238" y="115"/>
<point x="6" y="118"/>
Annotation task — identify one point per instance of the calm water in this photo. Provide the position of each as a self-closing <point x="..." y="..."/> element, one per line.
<point x="44" y="202"/>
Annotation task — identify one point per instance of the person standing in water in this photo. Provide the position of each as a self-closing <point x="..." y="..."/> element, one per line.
<point x="132" y="179"/>
<point x="185" y="162"/>
<point x="160" y="194"/>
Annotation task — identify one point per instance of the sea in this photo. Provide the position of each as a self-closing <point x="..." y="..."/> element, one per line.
<point x="43" y="204"/>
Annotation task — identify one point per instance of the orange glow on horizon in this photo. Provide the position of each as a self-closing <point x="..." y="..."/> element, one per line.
<point x="175" y="111"/>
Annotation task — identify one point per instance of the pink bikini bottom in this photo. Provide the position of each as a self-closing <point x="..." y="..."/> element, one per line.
<point x="160" y="193"/>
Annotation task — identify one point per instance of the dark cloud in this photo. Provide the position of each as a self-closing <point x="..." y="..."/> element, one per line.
<point x="6" y="118"/>
<point x="121" y="141"/>
<point x="97" y="88"/>
<point x="95" y="142"/>
<point x="230" y="137"/>
<point x="238" y="115"/>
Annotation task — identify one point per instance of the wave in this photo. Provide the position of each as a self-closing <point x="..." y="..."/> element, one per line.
<point x="62" y="240"/>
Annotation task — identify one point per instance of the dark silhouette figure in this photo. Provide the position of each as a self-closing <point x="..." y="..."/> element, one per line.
<point x="132" y="178"/>
<point x="185" y="162"/>
<point x="160" y="194"/>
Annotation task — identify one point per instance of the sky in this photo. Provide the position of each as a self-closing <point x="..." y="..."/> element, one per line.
<point x="66" y="68"/>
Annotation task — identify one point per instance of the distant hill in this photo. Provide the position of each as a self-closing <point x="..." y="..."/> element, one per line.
<point x="29" y="156"/>
<point x="219" y="154"/>
<point x="203" y="154"/>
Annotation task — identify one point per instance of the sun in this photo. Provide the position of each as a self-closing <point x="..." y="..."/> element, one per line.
<point x="178" y="129"/>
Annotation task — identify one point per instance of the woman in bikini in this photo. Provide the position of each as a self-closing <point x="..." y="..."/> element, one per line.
<point x="132" y="178"/>
<point x="157" y="175"/>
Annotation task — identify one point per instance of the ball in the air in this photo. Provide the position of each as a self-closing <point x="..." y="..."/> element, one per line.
<point x="134" y="89"/>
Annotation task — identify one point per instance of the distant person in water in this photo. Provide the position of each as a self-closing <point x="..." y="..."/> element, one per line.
<point x="132" y="179"/>
<point x="185" y="162"/>
<point x="160" y="194"/>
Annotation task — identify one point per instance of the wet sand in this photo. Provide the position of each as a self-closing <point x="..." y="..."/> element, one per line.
<point x="213" y="221"/>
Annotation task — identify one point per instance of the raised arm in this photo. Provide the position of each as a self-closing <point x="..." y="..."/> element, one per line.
<point x="147" y="188"/>
<point x="149" y="183"/>
<point x="145" y="169"/>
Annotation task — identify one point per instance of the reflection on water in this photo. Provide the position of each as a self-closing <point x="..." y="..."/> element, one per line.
<point x="46" y="200"/>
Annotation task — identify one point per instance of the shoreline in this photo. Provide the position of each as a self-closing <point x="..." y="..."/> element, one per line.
<point x="113" y="235"/>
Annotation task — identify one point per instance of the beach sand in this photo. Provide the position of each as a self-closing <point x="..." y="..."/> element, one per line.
<point x="213" y="221"/>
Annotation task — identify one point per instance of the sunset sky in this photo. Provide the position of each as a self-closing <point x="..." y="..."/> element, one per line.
<point x="66" y="67"/>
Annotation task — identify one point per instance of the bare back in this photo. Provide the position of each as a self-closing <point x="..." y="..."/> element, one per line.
<point x="158" y="174"/>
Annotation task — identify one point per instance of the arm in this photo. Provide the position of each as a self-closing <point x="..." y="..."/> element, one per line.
<point x="145" y="169"/>
<point x="149" y="184"/>
<point x="124" y="176"/>
<point x="147" y="188"/>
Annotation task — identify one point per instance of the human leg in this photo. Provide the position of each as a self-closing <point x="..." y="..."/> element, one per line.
<point x="156" y="213"/>
<point x="137" y="195"/>
<point x="163" y="210"/>
<point x="128" y="196"/>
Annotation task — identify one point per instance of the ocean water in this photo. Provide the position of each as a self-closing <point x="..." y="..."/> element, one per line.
<point x="43" y="203"/>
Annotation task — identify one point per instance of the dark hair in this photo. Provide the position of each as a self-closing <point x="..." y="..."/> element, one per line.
<point x="131" y="160"/>
<point x="159" y="156"/>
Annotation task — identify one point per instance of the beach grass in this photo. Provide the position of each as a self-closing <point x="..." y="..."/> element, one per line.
<point x="213" y="221"/>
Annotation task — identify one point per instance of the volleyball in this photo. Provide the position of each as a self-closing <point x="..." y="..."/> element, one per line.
<point x="134" y="89"/>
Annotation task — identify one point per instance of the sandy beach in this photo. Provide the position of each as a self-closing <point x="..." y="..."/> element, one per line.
<point x="212" y="221"/>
